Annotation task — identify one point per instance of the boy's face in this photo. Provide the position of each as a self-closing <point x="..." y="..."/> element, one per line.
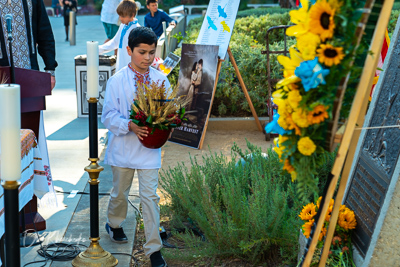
<point x="126" y="19"/>
<point x="142" y="56"/>
<point x="153" y="7"/>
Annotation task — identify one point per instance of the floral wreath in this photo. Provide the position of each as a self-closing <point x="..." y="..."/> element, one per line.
<point x="321" y="59"/>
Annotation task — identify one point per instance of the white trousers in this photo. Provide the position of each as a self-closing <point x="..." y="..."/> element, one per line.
<point x="118" y="204"/>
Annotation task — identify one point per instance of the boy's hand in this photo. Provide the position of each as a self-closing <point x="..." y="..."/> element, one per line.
<point x="172" y="23"/>
<point x="140" y="131"/>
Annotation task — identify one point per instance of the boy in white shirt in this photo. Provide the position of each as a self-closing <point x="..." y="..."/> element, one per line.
<point x="127" y="12"/>
<point x="125" y="153"/>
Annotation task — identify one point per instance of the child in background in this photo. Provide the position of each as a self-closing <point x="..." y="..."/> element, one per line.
<point x="125" y="153"/>
<point x="127" y="15"/>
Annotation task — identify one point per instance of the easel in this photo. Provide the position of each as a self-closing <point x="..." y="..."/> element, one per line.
<point x="350" y="138"/>
<point x="242" y="85"/>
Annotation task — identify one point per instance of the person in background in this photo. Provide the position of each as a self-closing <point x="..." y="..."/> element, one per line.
<point x="69" y="5"/>
<point x="125" y="153"/>
<point x="155" y="18"/>
<point x="55" y="4"/>
<point x="109" y="17"/>
<point x="126" y="11"/>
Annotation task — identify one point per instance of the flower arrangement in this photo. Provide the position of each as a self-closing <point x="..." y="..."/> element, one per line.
<point x="157" y="107"/>
<point x="340" y="250"/>
<point x="318" y="64"/>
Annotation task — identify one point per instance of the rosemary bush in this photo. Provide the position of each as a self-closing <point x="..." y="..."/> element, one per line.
<point x="242" y="210"/>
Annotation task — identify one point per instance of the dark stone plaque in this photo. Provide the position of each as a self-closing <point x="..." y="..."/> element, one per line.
<point x="378" y="155"/>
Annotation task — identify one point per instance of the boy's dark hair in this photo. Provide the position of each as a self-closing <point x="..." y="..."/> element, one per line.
<point x="148" y="2"/>
<point x="127" y="8"/>
<point x="201" y="62"/>
<point x="141" y="35"/>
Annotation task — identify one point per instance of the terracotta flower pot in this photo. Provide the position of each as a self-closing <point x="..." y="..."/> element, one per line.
<point x="157" y="139"/>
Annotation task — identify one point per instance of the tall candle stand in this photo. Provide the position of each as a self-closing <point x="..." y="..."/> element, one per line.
<point x="94" y="255"/>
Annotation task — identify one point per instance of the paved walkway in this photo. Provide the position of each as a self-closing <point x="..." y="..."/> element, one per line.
<point x="68" y="145"/>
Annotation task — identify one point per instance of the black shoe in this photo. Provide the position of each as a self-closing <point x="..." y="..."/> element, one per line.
<point x="157" y="260"/>
<point x="116" y="234"/>
<point x="66" y="39"/>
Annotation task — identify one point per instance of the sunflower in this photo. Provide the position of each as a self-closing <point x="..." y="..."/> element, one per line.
<point x="306" y="146"/>
<point x="347" y="220"/>
<point x="330" y="55"/>
<point x="317" y="115"/>
<point x="321" y="19"/>
<point x="308" y="212"/>
<point x="307" y="228"/>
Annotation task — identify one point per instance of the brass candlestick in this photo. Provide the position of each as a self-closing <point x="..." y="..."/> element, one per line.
<point x="94" y="255"/>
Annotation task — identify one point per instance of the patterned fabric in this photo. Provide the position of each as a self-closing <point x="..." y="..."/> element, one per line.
<point x="124" y="30"/>
<point x="20" y="45"/>
<point x="28" y="141"/>
<point x="140" y="78"/>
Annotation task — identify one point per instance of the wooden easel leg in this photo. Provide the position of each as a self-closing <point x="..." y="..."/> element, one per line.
<point x="358" y="119"/>
<point x="212" y="100"/>
<point x="246" y="94"/>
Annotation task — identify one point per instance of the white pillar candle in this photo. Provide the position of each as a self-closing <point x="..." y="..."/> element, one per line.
<point x="92" y="63"/>
<point x="10" y="125"/>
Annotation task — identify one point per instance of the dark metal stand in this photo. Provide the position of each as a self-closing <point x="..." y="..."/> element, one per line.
<point x="94" y="255"/>
<point x="272" y="82"/>
<point x="11" y="208"/>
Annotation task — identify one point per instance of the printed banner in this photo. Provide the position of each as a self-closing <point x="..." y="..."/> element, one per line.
<point x="218" y="24"/>
<point x="196" y="80"/>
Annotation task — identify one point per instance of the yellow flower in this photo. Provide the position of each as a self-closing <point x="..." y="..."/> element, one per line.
<point x="318" y="114"/>
<point x="278" y="149"/>
<point x="294" y="98"/>
<point x="318" y="202"/>
<point x="347" y="219"/>
<point x="322" y="234"/>
<point x="300" y="118"/>
<point x="306" y="146"/>
<point x="307" y="45"/>
<point x="289" y="168"/>
<point x="282" y="139"/>
<point x="300" y="18"/>
<point x="307" y="228"/>
<point x="308" y="212"/>
<point x="290" y="63"/>
<point x="288" y="122"/>
<point x="322" y="19"/>
<point x="330" y="55"/>
<point x="293" y="174"/>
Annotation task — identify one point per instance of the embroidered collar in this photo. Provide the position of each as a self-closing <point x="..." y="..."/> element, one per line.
<point x="139" y="77"/>
<point x="125" y="30"/>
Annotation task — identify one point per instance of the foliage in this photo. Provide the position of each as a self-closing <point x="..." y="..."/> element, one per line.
<point x="158" y="107"/>
<point x="256" y="12"/>
<point x="244" y="209"/>
<point x="393" y="20"/>
<point x="323" y="57"/>
<point x="341" y="247"/>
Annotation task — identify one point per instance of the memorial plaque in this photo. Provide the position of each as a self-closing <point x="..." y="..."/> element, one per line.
<point x="378" y="154"/>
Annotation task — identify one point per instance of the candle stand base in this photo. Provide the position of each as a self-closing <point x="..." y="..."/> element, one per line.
<point x="95" y="256"/>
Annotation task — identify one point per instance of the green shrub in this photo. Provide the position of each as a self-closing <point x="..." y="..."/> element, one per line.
<point x="393" y="20"/>
<point x="261" y="11"/>
<point x="243" y="210"/>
